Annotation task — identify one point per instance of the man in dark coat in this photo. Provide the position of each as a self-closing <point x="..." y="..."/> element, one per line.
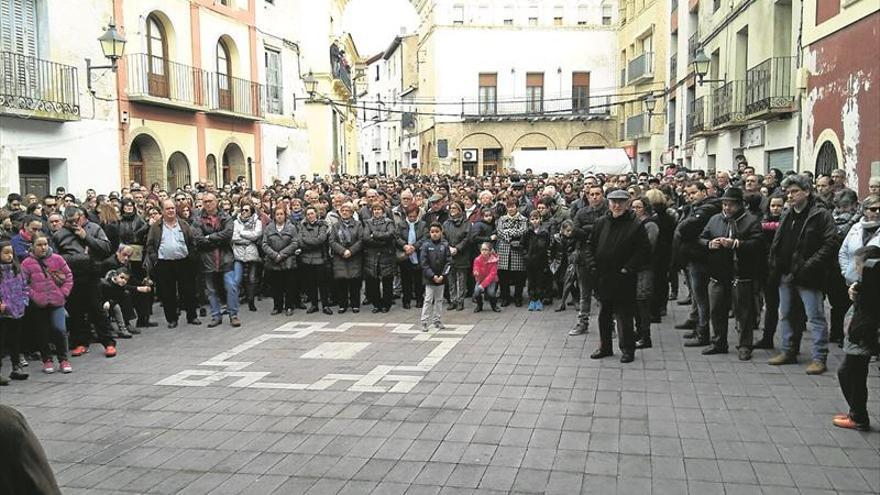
<point x="801" y="253"/>
<point x="212" y="229"/>
<point x="584" y="221"/>
<point x="621" y="247"/>
<point x="734" y="241"/>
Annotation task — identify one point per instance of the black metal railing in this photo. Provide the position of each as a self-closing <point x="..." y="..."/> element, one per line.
<point x="548" y="107"/>
<point x="670" y="134"/>
<point x="729" y="104"/>
<point x="162" y="78"/>
<point x="696" y="118"/>
<point x="341" y="70"/>
<point x="38" y="88"/>
<point x="636" y="126"/>
<point x="693" y="45"/>
<point x="769" y="86"/>
<point x="238" y="95"/>
<point x="641" y="67"/>
<point x="673" y="67"/>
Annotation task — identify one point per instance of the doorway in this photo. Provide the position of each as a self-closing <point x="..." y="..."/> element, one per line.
<point x="33" y="176"/>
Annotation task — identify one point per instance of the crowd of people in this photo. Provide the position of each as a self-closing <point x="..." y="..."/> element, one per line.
<point x="766" y="250"/>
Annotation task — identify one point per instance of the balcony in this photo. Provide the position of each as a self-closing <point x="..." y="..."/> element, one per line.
<point x="637" y="126"/>
<point x="696" y="118"/>
<point x="729" y="105"/>
<point x="670" y="135"/>
<point x="162" y="82"/>
<point x="769" y="87"/>
<point x="165" y="83"/>
<point x="341" y="71"/>
<point x="33" y="88"/>
<point x="693" y="45"/>
<point x="641" y="68"/>
<point x="550" y="108"/>
<point x="673" y="68"/>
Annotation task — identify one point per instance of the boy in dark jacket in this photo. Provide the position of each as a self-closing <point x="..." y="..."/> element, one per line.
<point x="436" y="262"/>
<point x="116" y="300"/>
<point x="536" y="243"/>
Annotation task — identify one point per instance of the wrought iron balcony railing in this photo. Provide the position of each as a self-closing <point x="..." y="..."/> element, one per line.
<point x="166" y="81"/>
<point x="556" y="107"/>
<point x="34" y="88"/>
<point x="238" y="96"/>
<point x="696" y="118"/>
<point x="769" y="86"/>
<point x="670" y="134"/>
<point x="641" y="67"/>
<point x="673" y="67"/>
<point x="341" y="70"/>
<point x="693" y="45"/>
<point x="637" y="126"/>
<point x="729" y="104"/>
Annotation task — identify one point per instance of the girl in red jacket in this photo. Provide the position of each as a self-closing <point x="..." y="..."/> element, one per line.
<point x="50" y="281"/>
<point x="486" y="277"/>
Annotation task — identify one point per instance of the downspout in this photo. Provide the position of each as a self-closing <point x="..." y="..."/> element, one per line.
<point x="800" y="101"/>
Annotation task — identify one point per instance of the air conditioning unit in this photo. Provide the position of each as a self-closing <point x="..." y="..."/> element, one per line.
<point x="469" y="155"/>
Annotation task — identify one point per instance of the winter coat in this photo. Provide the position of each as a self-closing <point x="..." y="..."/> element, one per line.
<point x="246" y="238"/>
<point x="686" y="240"/>
<point x="854" y="240"/>
<point x="50" y="280"/>
<point x="621" y="248"/>
<point x="380" y="237"/>
<point x="482" y="232"/>
<point x="743" y="262"/>
<point x="457" y="234"/>
<point x="154" y="238"/>
<point x="14" y="292"/>
<point x="587" y="216"/>
<point x="510" y="233"/>
<point x="21" y="246"/>
<point x="536" y="246"/>
<point x="814" y="247"/>
<point x="313" y="242"/>
<point x="82" y="255"/>
<point x="486" y="271"/>
<point x="213" y="236"/>
<point x="112" y="293"/>
<point x="403" y="238"/>
<point x="132" y="229"/>
<point x="280" y="243"/>
<point x="347" y="268"/>
<point x="436" y="260"/>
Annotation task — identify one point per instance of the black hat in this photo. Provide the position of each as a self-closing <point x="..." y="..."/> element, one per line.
<point x="732" y="194"/>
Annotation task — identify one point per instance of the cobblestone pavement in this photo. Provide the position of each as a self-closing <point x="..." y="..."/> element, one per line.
<point x="495" y="403"/>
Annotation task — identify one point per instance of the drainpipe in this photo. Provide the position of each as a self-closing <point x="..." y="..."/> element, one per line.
<point x="799" y="62"/>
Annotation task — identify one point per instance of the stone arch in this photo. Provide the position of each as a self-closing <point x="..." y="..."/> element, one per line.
<point x="534" y="140"/>
<point x="587" y="138"/>
<point x="146" y="152"/>
<point x="232" y="164"/>
<point x="178" y="171"/>
<point x="827" y="154"/>
<point x="479" y="140"/>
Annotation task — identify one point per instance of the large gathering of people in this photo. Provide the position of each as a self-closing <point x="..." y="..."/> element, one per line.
<point x="769" y="251"/>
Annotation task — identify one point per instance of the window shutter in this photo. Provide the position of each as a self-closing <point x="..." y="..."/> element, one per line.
<point x="535" y="79"/>
<point x="579" y="79"/>
<point x="18" y="27"/>
<point x="488" y="80"/>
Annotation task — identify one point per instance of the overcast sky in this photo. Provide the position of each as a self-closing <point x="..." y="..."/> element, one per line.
<point x="374" y="23"/>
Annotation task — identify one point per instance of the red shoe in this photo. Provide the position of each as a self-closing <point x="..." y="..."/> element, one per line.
<point x="79" y="351"/>
<point x="841" y="416"/>
<point x="848" y="423"/>
<point x="110" y="351"/>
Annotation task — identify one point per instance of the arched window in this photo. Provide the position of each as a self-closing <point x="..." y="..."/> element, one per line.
<point x="136" y="164"/>
<point x="211" y="165"/>
<point x="826" y="159"/>
<point x="157" y="57"/>
<point x="224" y="73"/>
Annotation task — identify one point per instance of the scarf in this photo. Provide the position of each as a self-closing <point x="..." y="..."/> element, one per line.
<point x="25" y="234"/>
<point x="345" y="227"/>
<point x="411" y="240"/>
<point x="869" y="230"/>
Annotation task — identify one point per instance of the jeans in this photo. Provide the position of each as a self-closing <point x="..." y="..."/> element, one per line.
<point x="853" y="378"/>
<point x="585" y="285"/>
<point x="699" y="279"/>
<point x="814" y="306"/>
<point x="721" y="294"/>
<point x="52" y="327"/>
<point x="433" y="304"/>
<point x="246" y="271"/>
<point x="457" y="281"/>
<point x="491" y="291"/>
<point x="212" y="284"/>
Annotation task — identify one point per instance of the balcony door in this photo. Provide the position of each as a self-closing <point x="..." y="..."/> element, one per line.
<point x="224" y="76"/>
<point x="157" y="58"/>
<point x="19" y="75"/>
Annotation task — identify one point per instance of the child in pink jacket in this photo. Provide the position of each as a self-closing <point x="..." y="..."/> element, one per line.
<point x="50" y="281"/>
<point x="486" y="276"/>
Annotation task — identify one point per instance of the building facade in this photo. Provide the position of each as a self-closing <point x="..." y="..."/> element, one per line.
<point x="747" y="104"/>
<point x="499" y="77"/>
<point x="642" y="42"/>
<point x="53" y="131"/>
<point x="842" y="101"/>
<point x="388" y="137"/>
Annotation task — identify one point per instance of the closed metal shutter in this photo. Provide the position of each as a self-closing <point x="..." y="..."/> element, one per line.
<point x="782" y="159"/>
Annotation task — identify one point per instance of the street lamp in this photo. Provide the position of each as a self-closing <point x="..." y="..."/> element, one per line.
<point x="311" y="85"/>
<point x="113" y="46"/>
<point x="701" y="67"/>
<point x="650" y="105"/>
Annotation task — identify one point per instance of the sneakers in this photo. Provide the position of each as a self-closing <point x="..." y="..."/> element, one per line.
<point x="577" y="330"/>
<point x="65" y="367"/>
<point x="532" y="305"/>
<point x="424" y="327"/>
<point x="846" y="421"/>
<point x="18" y="373"/>
<point x="215" y="323"/>
<point x="744" y="354"/>
<point x="234" y="321"/>
<point x="48" y="367"/>
<point x="782" y="358"/>
<point x="110" y="351"/>
<point x="79" y="351"/>
<point x="539" y="306"/>
<point x="439" y="326"/>
<point x="816" y="368"/>
<point x="713" y="350"/>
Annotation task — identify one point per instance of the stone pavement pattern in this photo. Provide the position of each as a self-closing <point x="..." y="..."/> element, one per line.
<point x="514" y="406"/>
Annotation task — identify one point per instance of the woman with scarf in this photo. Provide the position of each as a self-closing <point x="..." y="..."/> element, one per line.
<point x="346" y="248"/>
<point x="456" y="229"/>
<point x="865" y="232"/>
<point x="313" y="234"/>
<point x="247" y="232"/>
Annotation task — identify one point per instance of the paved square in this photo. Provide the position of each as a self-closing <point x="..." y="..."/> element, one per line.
<point x="496" y="403"/>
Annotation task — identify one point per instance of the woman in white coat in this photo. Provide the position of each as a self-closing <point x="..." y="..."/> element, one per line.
<point x="247" y="232"/>
<point x="864" y="233"/>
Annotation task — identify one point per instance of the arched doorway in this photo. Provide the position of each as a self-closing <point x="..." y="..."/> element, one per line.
<point x="145" y="161"/>
<point x="211" y="166"/>
<point x="224" y="75"/>
<point x="157" y="57"/>
<point x="178" y="171"/>
<point x="534" y="141"/>
<point x="233" y="163"/>
<point x="826" y="159"/>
